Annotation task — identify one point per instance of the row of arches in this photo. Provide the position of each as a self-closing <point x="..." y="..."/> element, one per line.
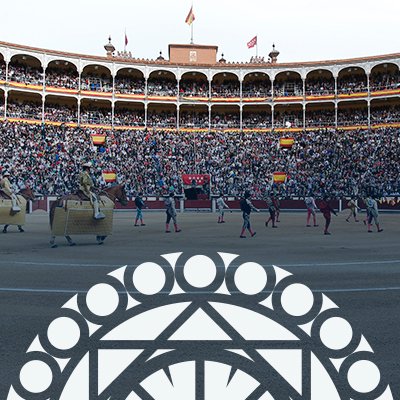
<point x="18" y="104"/>
<point x="130" y="80"/>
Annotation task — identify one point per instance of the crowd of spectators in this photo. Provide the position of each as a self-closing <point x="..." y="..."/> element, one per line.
<point x="129" y="86"/>
<point x="320" y="87"/>
<point x="58" y="113"/>
<point x="256" y="89"/>
<point x="225" y="89"/>
<point x="319" y="118"/>
<point x="193" y="119"/>
<point x="193" y="88"/>
<point x="25" y="74"/>
<point x="162" y="87"/>
<point x="386" y="81"/>
<point x="163" y="119"/>
<point x="62" y="79"/>
<point x="96" y="116"/>
<point x="49" y="159"/>
<point x="25" y="110"/>
<point x="256" y="120"/>
<point x="97" y="84"/>
<point x="381" y="115"/>
<point x="227" y="120"/>
<point x="126" y="117"/>
<point x="350" y="84"/>
<point x="288" y="88"/>
<point x="351" y="117"/>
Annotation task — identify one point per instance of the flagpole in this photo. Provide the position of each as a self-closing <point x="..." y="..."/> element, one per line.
<point x="191" y="28"/>
<point x="257" y="46"/>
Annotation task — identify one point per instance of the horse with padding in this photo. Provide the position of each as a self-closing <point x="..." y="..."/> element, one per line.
<point x="7" y="215"/>
<point x="73" y="215"/>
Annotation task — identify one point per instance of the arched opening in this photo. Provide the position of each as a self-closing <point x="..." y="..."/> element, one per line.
<point x="128" y="114"/>
<point x="2" y="68"/>
<point x="288" y="83"/>
<point x="384" y="77"/>
<point x="96" y="112"/>
<point x="162" y="83"/>
<point x="96" y="78"/>
<point x="193" y="116"/>
<point x="24" y="105"/>
<point x="288" y="116"/>
<point x="129" y="81"/>
<point x="161" y="115"/>
<point x="385" y="111"/>
<point x="194" y="84"/>
<point x="61" y="109"/>
<point x="25" y="69"/>
<point x="256" y="116"/>
<point x="62" y="74"/>
<point x="352" y="113"/>
<point x="226" y="85"/>
<point x="352" y="80"/>
<point x="320" y="83"/>
<point x="256" y="84"/>
<point x="225" y="117"/>
<point x="320" y="115"/>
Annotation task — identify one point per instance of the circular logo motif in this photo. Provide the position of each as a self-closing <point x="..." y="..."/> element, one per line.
<point x="200" y="327"/>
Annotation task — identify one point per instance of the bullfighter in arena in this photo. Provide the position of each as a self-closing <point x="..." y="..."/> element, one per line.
<point x="326" y="210"/>
<point x="171" y="212"/>
<point x="221" y="205"/>
<point x="247" y="207"/>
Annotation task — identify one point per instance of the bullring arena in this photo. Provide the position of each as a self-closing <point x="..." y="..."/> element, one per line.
<point x="145" y="123"/>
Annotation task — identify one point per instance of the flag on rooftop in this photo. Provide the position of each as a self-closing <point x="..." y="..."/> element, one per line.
<point x="252" y="42"/>
<point x="190" y="17"/>
<point x="126" y="39"/>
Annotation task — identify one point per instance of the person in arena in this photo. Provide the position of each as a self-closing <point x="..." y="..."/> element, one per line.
<point x="86" y="185"/>
<point x="221" y="205"/>
<point x="171" y="213"/>
<point x="311" y="209"/>
<point x="326" y="210"/>
<point x="272" y="210"/>
<point x="277" y="205"/>
<point x="247" y="207"/>
<point x="372" y="213"/>
<point x="353" y="207"/>
<point x="7" y="189"/>
<point x="140" y="204"/>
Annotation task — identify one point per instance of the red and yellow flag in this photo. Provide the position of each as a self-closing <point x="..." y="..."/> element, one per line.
<point x="98" y="139"/>
<point x="109" y="176"/>
<point x="279" y="177"/>
<point x="286" y="142"/>
<point x="190" y="17"/>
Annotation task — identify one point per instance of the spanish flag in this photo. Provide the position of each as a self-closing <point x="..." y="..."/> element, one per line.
<point x="190" y="17"/>
<point x="109" y="176"/>
<point x="98" y="139"/>
<point x="279" y="177"/>
<point x="286" y="143"/>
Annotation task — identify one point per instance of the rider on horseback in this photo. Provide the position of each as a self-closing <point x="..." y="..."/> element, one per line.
<point x="5" y="186"/>
<point x="85" y="185"/>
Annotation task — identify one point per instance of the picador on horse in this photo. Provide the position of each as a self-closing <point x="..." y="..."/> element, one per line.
<point x="86" y="186"/>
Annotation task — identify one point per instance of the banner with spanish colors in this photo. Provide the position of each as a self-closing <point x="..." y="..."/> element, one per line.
<point x="109" y="176"/>
<point x="98" y="140"/>
<point x="190" y="17"/>
<point x="279" y="177"/>
<point x="286" y="142"/>
<point x="198" y="179"/>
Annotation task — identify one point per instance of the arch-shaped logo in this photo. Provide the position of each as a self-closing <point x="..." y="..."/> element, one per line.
<point x="189" y="326"/>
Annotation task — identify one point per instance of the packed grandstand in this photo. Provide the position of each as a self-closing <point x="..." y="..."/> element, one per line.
<point x="158" y="120"/>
